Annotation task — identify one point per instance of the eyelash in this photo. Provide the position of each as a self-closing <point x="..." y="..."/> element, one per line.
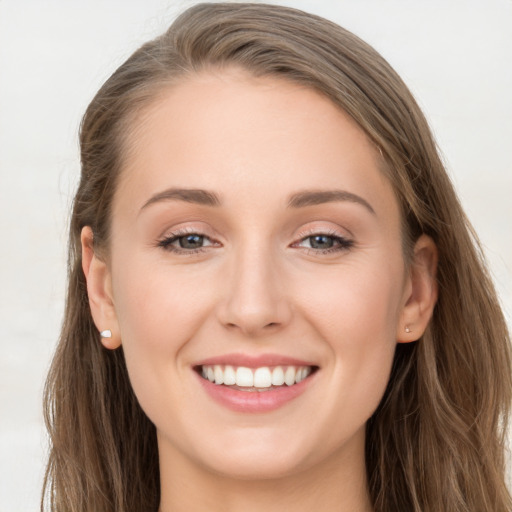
<point x="341" y="243"/>
<point x="166" y="243"/>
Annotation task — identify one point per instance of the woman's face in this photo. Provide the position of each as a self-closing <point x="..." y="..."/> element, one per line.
<point x="252" y="229"/>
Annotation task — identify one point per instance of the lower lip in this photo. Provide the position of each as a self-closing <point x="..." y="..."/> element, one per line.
<point x="254" y="401"/>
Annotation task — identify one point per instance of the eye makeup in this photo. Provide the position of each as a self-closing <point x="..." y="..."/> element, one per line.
<point x="191" y="241"/>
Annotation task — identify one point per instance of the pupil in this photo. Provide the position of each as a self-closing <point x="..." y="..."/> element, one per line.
<point x="321" y="242"/>
<point x="191" y="241"/>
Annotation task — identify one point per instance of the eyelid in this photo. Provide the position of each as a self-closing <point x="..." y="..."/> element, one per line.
<point x="190" y="227"/>
<point x="344" y="242"/>
<point x="182" y="231"/>
<point x="324" y="230"/>
<point x="167" y="240"/>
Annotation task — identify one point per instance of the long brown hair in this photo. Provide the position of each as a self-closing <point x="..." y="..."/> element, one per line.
<point x="437" y="441"/>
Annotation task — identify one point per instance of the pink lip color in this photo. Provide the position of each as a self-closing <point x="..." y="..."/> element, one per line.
<point x="254" y="401"/>
<point x="254" y="361"/>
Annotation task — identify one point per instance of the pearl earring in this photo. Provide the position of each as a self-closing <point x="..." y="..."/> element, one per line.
<point x="407" y="329"/>
<point x="107" y="333"/>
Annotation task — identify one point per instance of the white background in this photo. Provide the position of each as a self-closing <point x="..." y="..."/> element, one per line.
<point x="455" y="55"/>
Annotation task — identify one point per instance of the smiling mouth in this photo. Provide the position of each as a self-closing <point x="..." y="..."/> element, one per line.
<point x="260" y="379"/>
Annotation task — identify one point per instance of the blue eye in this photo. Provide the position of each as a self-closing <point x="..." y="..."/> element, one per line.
<point x="185" y="243"/>
<point x="191" y="241"/>
<point x="323" y="243"/>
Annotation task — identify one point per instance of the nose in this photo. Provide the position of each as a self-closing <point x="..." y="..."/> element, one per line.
<point x="254" y="302"/>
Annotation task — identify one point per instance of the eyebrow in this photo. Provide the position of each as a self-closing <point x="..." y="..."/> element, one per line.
<point x="298" y="200"/>
<point x="189" y="195"/>
<point x="314" y="197"/>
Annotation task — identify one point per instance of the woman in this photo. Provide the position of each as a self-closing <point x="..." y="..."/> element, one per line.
<point x="275" y="299"/>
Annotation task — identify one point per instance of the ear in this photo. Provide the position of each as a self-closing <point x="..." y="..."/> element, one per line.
<point x="421" y="290"/>
<point x="99" y="290"/>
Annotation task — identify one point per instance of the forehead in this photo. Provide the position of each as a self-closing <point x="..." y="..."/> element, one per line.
<point x="253" y="138"/>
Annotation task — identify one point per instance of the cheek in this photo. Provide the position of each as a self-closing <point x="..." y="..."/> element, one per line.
<point x="156" y="307"/>
<point x="355" y="312"/>
<point x="158" y="311"/>
<point x="358" y="301"/>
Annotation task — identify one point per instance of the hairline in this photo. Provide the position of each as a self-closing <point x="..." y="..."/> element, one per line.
<point x="147" y="97"/>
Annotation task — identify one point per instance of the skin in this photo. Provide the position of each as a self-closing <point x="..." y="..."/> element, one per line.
<point x="257" y="286"/>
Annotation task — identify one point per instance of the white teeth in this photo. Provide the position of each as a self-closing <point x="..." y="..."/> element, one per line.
<point x="301" y="374"/>
<point x="244" y="377"/>
<point x="263" y="377"/>
<point x="219" y="374"/>
<point x="289" y="376"/>
<point x="229" y="376"/>
<point x="277" y="376"/>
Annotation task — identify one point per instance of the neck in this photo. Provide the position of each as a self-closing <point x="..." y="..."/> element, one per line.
<point x="335" y="485"/>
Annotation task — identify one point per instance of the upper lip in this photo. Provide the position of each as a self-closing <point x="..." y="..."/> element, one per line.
<point x="254" y="361"/>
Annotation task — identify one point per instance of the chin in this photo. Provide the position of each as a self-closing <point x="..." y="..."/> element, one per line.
<point x="271" y="468"/>
<point x="258" y="459"/>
